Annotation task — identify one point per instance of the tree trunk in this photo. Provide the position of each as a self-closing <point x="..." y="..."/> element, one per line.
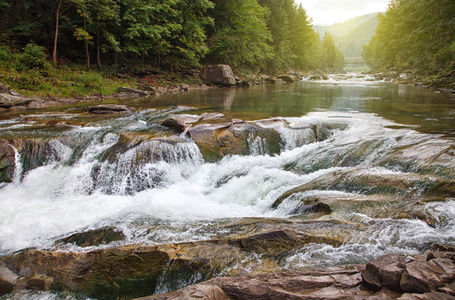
<point x="87" y="53"/>
<point x="57" y="15"/>
<point x="98" y="51"/>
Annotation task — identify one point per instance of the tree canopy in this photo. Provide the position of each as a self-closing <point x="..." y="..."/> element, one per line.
<point x="268" y="35"/>
<point x="416" y="35"/>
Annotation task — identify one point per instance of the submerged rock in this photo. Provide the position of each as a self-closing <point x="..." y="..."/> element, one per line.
<point x="107" y="109"/>
<point x="94" y="237"/>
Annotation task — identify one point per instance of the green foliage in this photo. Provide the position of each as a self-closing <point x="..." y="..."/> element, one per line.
<point x="241" y="37"/>
<point x="332" y="59"/>
<point x="33" y="57"/>
<point x="416" y="35"/>
<point x="268" y="35"/>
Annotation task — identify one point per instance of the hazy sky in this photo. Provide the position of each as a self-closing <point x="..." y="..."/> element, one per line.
<point x="326" y="12"/>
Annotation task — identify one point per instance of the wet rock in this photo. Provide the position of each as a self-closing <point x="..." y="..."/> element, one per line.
<point x="7" y="161"/>
<point x="270" y="80"/>
<point x="218" y="74"/>
<point x="7" y="280"/>
<point x="175" y="124"/>
<point x="204" y="135"/>
<point x="212" y="116"/>
<point x="428" y="157"/>
<point x="39" y="283"/>
<point x="331" y="283"/>
<point x="107" y="109"/>
<point x="424" y="277"/>
<point x="385" y="271"/>
<point x="106" y="274"/>
<point x="198" y="291"/>
<point x="427" y="296"/>
<point x="41" y="104"/>
<point x="271" y="243"/>
<point x="94" y="237"/>
<point x="287" y="78"/>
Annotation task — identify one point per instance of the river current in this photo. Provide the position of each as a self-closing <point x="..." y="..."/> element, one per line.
<point x="178" y="196"/>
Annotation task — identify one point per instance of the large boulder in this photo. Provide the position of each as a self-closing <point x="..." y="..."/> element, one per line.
<point x="384" y="271"/>
<point x="218" y="74"/>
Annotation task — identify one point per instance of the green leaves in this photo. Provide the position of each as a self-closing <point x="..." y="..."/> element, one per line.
<point x="414" y="34"/>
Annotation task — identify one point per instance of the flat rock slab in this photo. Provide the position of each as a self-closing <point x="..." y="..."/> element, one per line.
<point x="107" y="109"/>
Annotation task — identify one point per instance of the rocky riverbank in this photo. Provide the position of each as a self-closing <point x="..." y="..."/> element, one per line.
<point x="218" y="75"/>
<point x="135" y="271"/>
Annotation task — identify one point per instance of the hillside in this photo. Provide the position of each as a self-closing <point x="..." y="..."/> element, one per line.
<point x="341" y="29"/>
<point x="352" y="35"/>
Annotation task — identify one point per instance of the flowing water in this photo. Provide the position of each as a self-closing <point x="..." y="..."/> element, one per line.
<point x="161" y="190"/>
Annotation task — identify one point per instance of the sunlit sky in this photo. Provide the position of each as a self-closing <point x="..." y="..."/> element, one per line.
<point x="327" y="12"/>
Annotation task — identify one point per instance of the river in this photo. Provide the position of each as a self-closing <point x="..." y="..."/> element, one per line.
<point x="379" y="181"/>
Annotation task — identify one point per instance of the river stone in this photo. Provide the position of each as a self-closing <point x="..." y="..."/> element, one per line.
<point x="385" y="271"/>
<point x="198" y="291"/>
<point x="7" y="161"/>
<point x="330" y="283"/>
<point x="424" y="277"/>
<point x="94" y="237"/>
<point x="107" y="109"/>
<point x="175" y="124"/>
<point x="218" y="74"/>
<point x="205" y="138"/>
<point x="427" y="296"/>
<point x="7" y="280"/>
<point x="287" y="78"/>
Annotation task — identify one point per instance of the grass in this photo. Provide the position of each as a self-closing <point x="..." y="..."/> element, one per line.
<point x="66" y="81"/>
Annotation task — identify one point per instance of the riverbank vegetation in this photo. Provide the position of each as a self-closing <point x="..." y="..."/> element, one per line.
<point x="57" y="37"/>
<point x="416" y="36"/>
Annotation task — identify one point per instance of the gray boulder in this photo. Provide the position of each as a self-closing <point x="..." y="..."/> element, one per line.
<point x="218" y="74"/>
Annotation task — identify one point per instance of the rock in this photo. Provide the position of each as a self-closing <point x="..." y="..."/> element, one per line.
<point x="107" y="109"/>
<point x="7" y="280"/>
<point x="211" y="116"/>
<point x="424" y="277"/>
<point x="133" y="91"/>
<point x="204" y="135"/>
<point x="218" y="74"/>
<point x="271" y="243"/>
<point x="175" y="124"/>
<point x="8" y="100"/>
<point x="198" y="291"/>
<point x="7" y="161"/>
<point x="385" y="271"/>
<point x="270" y="80"/>
<point x="94" y="237"/>
<point x="287" y="78"/>
<point x="243" y="83"/>
<point x="39" y="104"/>
<point x="39" y="283"/>
<point x="426" y="296"/>
<point x="448" y="289"/>
<point x="151" y="90"/>
<point x="331" y="283"/>
<point x="17" y="108"/>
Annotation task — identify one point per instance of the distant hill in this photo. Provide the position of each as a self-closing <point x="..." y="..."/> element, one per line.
<point x="353" y="34"/>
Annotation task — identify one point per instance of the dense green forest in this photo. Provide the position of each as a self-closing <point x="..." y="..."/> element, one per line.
<point x="415" y="35"/>
<point x="260" y="35"/>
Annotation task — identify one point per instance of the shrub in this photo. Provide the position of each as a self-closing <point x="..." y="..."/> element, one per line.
<point x="33" y="57"/>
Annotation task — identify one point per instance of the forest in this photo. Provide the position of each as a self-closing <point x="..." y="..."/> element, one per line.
<point x="261" y="35"/>
<point x="416" y="36"/>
